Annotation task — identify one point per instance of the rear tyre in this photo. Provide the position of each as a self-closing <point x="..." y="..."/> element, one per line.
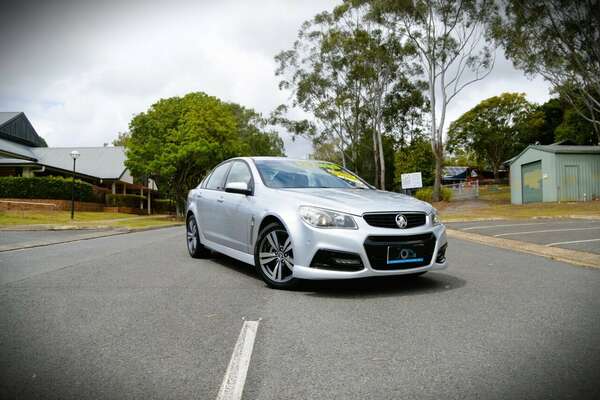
<point x="195" y="248"/>
<point x="274" y="257"/>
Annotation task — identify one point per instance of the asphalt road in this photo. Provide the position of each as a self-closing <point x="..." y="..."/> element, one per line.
<point x="23" y="238"/>
<point x="134" y="317"/>
<point x="574" y="234"/>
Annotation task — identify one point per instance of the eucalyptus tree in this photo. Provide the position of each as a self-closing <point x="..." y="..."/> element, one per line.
<point x="448" y="37"/>
<point x="350" y="74"/>
<point x="559" y="40"/>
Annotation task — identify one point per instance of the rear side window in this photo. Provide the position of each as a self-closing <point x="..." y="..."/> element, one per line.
<point x="240" y="173"/>
<point x="216" y="179"/>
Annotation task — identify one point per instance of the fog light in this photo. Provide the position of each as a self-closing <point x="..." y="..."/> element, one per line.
<point x="336" y="260"/>
<point x="441" y="255"/>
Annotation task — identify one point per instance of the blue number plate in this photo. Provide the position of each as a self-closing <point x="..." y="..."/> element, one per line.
<point x="403" y="254"/>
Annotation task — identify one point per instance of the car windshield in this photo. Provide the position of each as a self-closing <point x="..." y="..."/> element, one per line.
<point x="307" y="174"/>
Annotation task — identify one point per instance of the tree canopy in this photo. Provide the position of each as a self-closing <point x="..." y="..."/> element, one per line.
<point x="497" y="128"/>
<point x="179" y="139"/>
<point x="559" y="40"/>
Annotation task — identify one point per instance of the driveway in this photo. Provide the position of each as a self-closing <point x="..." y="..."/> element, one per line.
<point x="573" y="234"/>
<point x="133" y="316"/>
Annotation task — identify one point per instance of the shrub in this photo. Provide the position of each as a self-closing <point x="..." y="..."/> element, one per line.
<point x="162" y="206"/>
<point x="124" y="200"/>
<point x="46" y="187"/>
<point x="425" y="194"/>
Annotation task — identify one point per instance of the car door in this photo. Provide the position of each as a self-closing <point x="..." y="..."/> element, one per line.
<point x="210" y="205"/>
<point x="238" y="209"/>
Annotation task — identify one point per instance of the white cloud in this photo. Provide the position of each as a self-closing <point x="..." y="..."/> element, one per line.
<point x="80" y="70"/>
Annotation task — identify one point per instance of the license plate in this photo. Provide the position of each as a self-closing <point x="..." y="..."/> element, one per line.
<point x="404" y="254"/>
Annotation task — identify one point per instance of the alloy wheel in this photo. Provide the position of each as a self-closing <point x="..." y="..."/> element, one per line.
<point x="192" y="235"/>
<point x="276" y="257"/>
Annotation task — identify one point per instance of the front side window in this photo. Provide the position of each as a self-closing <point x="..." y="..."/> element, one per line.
<point x="240" y="173"/>
<point x="307" y="174"/>
<point x="216" y="179"/>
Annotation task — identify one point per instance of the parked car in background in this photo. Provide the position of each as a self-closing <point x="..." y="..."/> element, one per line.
<point x="305" y="219"/>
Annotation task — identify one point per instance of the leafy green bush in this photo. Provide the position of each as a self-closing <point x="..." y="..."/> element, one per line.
<point x="124" y="200"/>
<point x="162" y="206"/>
<point x="46" y="187"/>
<point x="425" y="194"/>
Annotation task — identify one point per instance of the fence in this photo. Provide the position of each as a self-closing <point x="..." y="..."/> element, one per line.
<point x="464" y="190"/>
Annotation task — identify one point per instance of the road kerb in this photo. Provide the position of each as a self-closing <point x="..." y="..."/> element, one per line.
<point x="574" y="257"/>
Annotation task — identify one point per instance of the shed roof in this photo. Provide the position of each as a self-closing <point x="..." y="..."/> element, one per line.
<point x="557" y="148"/>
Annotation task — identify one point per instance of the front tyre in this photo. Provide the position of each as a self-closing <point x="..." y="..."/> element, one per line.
<point x="195" y="248"/>
<point x="274" y="257"/>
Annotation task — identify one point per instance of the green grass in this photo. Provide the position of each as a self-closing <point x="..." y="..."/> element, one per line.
<point x="494" y="202"/>
<point x="55" y="217"/>
<point x="82" y="219"/>
<point x="495" y="193"/>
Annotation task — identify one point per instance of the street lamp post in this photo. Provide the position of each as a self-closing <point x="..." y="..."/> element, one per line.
<point x="74" y="155"/>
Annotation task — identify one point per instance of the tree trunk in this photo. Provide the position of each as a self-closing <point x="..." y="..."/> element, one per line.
<point x="495" y="168"/>
<point x="381" y="161"/>
<point x="376" y="159"/>
<point x="437" y="183"/>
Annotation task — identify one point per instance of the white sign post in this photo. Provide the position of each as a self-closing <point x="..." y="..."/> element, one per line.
<point x="411" y="181"/>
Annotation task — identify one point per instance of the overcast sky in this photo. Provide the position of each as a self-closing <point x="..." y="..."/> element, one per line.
<point x="81" y="69"/>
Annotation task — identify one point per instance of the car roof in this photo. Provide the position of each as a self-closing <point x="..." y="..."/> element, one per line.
<point x="283" y="159"/>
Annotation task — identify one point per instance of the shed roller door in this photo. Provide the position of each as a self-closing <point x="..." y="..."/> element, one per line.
<point x="531" y="181"/>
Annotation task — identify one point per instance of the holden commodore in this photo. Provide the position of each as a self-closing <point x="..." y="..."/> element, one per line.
<point x="305" y="219"/>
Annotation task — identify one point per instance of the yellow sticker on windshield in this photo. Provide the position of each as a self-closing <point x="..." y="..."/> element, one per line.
<point x="336" y="170"/>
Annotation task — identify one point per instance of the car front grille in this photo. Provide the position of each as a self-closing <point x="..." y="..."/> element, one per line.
<point x="377" y="250"/>
<point x="388" y="220"/>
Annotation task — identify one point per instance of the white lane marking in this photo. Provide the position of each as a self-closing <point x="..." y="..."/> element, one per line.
<point x="546" y="231"/>
<point x="235" y="376"/>
<point x="573" y="241"/>
<point x="526" y="224"/>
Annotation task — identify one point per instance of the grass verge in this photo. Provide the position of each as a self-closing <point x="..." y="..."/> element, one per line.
<point x="83" y="219"/>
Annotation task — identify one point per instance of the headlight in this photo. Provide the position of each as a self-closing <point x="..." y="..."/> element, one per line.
<point x="321" y="218"/>
<point x="435" y="220"/>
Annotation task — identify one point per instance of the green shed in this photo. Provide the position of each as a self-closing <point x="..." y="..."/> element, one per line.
<point x="555" y="172"/>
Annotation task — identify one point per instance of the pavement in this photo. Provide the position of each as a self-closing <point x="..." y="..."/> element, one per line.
<point x="566" y="233"/>
<point x="133" y="316"/>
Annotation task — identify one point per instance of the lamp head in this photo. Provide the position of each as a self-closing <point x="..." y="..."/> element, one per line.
<point x="75" y="154"/>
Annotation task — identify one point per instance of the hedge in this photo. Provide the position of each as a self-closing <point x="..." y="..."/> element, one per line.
<point x="124" y="200"/>
<point x="46" y="187"/>
<point x="163" y="206"/>
<point x="425" y="194"/>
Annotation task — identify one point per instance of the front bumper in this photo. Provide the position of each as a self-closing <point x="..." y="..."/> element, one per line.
<point x="307" y="241"/>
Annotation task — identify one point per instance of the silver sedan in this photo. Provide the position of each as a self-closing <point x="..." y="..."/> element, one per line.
<point x="304" y="219"/>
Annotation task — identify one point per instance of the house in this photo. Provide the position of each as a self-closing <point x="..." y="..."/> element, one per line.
<point x="458" y="174"/>
<point x="556" y="172"/>
<point x="24" y="153"/>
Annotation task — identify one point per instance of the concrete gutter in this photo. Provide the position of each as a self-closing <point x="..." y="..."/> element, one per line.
<point x="451" y="220"/>
<point x="575" y="257"/>
<point x="94" y="235"/>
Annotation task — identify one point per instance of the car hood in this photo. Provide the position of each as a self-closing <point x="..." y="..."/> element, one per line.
<point x="357" y="201"/>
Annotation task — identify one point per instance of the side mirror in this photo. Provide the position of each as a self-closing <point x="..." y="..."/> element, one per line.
<point x="238" y="187"/>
